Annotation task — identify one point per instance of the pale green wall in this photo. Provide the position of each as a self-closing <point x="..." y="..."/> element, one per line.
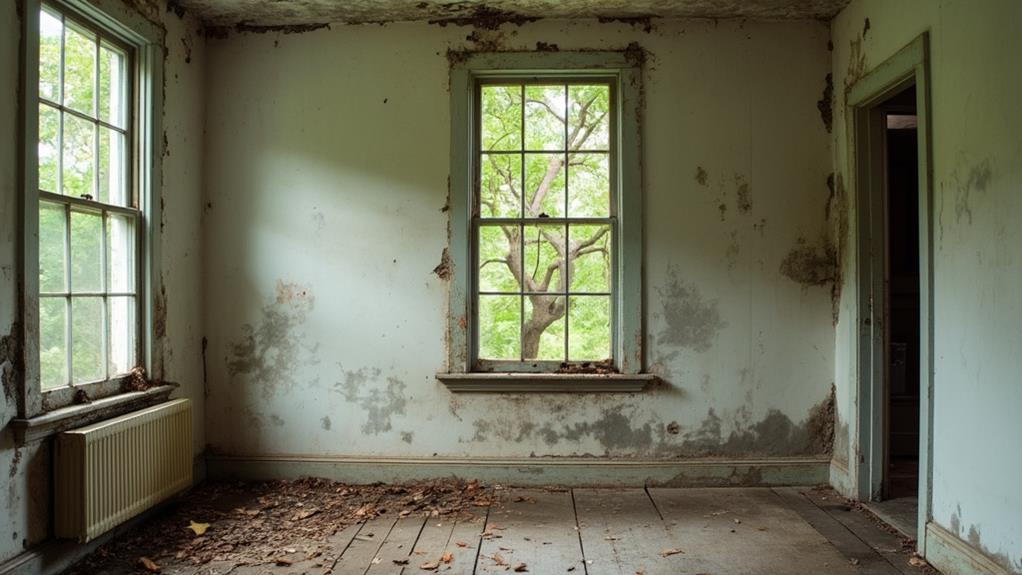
<point x="975" y="49"/>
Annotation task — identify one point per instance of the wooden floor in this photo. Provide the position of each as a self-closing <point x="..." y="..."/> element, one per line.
<point x="622" y="532"/>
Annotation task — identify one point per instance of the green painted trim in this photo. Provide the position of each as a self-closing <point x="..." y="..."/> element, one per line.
<point x="909" y="65"/>
<point x="568" y="472"/>
<point x="626" y="72"/>
<point x="952" y="556"/>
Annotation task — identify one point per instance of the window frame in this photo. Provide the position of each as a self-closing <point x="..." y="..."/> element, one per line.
<point x="143" y="40"/>
<point x="623" y="71"/>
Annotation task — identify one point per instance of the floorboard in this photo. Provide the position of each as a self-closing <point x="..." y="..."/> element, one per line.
<point x="396" y="551"/>
<point x="364" y="547"/>
<point x="532" y="529"/>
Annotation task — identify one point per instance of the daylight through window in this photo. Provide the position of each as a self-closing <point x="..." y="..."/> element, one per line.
<point x="88" y="216"/>
<point x="544" y="221"/>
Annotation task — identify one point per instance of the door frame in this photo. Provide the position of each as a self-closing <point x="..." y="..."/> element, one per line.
<point x="908" y="66"/>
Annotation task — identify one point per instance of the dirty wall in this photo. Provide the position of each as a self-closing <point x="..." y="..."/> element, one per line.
<point x="327" y="161"/>
<point x="977" y="175"/>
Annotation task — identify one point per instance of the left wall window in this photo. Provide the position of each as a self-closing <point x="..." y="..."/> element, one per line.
<point x="89" y="211"/>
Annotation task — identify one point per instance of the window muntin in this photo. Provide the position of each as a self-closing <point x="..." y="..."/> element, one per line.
<point x="544" y="226"/>
<point x="89" y="217"/>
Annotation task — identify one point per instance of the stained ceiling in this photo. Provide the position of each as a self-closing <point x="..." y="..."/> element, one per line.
<point x="489" y="13"/>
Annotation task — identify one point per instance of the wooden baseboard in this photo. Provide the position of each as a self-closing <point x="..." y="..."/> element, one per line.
<point x="572" y="472"/>
<point x="953" y="556"/>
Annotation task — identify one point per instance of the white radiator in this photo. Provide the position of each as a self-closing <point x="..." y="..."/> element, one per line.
<point x="111" y="471"/>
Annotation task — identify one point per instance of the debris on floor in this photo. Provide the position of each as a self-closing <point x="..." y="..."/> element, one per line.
<point x="274" y="523"/>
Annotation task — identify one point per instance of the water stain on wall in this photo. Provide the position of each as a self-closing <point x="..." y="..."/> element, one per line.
<point x="325" y="423"/>
<point x="380" y="398"/>
<point x="267" y="354"/>
<point x="976" y="180"/>
<point x="811" y="264"/>
<point x="692" y="321"/>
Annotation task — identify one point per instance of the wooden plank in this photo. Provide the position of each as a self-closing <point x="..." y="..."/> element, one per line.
<point x="532" y="527"/>
<point x="888" y="545"/>
<point x="746" y="531"/>
<point x="364" y="546"/>
<point x="622" y="534"/>
<point x="459" y="537"/>
<point x="295" y="560"/>
<point x="396" y="551"/>
<point x="869" y="561"/>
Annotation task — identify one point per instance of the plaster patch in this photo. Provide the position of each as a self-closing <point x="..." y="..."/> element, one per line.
<point x="693" y="322"/>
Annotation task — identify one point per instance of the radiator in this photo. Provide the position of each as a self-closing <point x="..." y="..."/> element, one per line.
<point x="111" y="471"/>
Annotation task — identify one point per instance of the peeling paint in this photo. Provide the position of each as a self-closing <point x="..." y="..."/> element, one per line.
<point x="826" y="103"/>
<point x="381" y="399"/>
<point x="693" y="322"/>
<point x="10" y="363"/>
<point x="443" y="269"/>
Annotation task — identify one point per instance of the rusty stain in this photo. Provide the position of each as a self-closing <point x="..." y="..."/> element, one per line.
<point x="443" y="269"/>
<point x="693" y="322"/>
<point x="380" y="399"/>
<point x="701" y="175"/>
<point x="826" y="103"/>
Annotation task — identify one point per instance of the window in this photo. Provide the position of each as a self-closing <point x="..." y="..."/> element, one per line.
<point x="546" y="223"/>
<point x="88" y="215"/>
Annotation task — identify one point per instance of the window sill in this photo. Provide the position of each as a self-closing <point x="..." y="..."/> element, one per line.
<point x="545" y="382"/>
<point x="53" y="422"/>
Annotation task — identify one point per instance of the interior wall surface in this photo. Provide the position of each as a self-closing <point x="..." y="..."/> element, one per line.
<point x="977" y="175"/>
<point x="26" y="468"/>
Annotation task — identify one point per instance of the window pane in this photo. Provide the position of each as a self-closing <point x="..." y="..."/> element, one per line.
<point x="79" y="155"/>
<point x="121" y="338"/>
<point x="543" y="332"/>
<point x="589" y="328"/>
<point x="589" y="185"/>
<point x="498" y="245"/>
<point x="544" y="258"/>
<point x="79" y="69"/>
<point x="52" y="256"/>
<point x="86" y="251"/>
<point x="87" y="361"/>
<point x="120" y="245"/>
<point x="49" y="148"/>
<point x="589" y="117"/>
<point x="52" y="341"/>
<point x="112" y="87"/>
<point x="544" y="117"/>
<point x="501" y="112"/>
<point x="50" y="31"/>
<point x="499" y="325"/>
<point x="590" y="270"/>
<point x="544" y="185"/>
<point x="111" y="167"/>
<point x="500" y="189"/>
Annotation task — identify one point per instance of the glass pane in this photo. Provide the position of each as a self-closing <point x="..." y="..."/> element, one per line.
<point x="120" y="254"/>
<point x="111" y="167"/>
<point x="52" y="341"/>
<point x="49" y="148"/>
<point x="50" y="31"/>
<point x="79" y="140"/>
<point x="543" y="331"/>
<point x="112" y="84"/>
<point x="590" y="249"/>
<point x="79" y="69"/>
<point x="87" y="361"/>
<point x="501" y="112"/>
<point x="544" y="117"/>
<point x="544" y="185"/>
<point x="589" y="117"/>
<point x="500" y="189"/>
<point x="496" y="256"/>
<point x="52" y="257"/>
<point x="589" y="328"/>
<point x="121" y="338"/>
<point x="544" y="258"/>
<point x="499" y="324"/>
<point x="86" y="252"/>
<point x="589" y="185"/>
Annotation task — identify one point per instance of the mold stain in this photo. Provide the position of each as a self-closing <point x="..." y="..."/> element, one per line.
<point x="381" y="398"/>
<point x="744" y="202"/>
<point x="977" y="180"/>
<point x="268" y="353"/>
<point x="732" y="252"/>
<point x="10" y="362"/>
<point x="811" y="264"/>
<point x="693" y="321"/>
<point x="407" y="436"/>
<point x="826" y="103"/>
<point x="325" y="424"/>
<point x="701" y="176"/>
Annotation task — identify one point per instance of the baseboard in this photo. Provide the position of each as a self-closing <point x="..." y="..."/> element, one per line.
<point x="573" y="472"/>
<point x="953" y="556"/>
<point x="840" y="478"/>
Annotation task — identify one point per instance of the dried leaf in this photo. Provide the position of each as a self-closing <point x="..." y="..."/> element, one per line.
<point x="304" y="514"/>
<point x="400" y="561"/>
<point x="149" y="564"/>
<point x="282" y="562"/>
<point x="429" y="566"/>
<point x="520" y="568"/>
<point x="917" y="561"/>
<point x="498" y="559"/>
<point x="198" y="528"/>
<point x="461" y="544"/>
<point x="447" y="557"/>
<point x="671" y="551"/>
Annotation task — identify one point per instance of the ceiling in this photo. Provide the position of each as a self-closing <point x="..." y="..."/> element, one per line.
<point x="490" y="13"/>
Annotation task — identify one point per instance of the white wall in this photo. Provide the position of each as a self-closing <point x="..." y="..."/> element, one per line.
<point x="326" y="171"/>
<point x="977" y="179"/>
<point x="25" y="470"/>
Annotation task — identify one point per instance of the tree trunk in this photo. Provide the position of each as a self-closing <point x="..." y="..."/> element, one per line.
<point x="546" y="309"/>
